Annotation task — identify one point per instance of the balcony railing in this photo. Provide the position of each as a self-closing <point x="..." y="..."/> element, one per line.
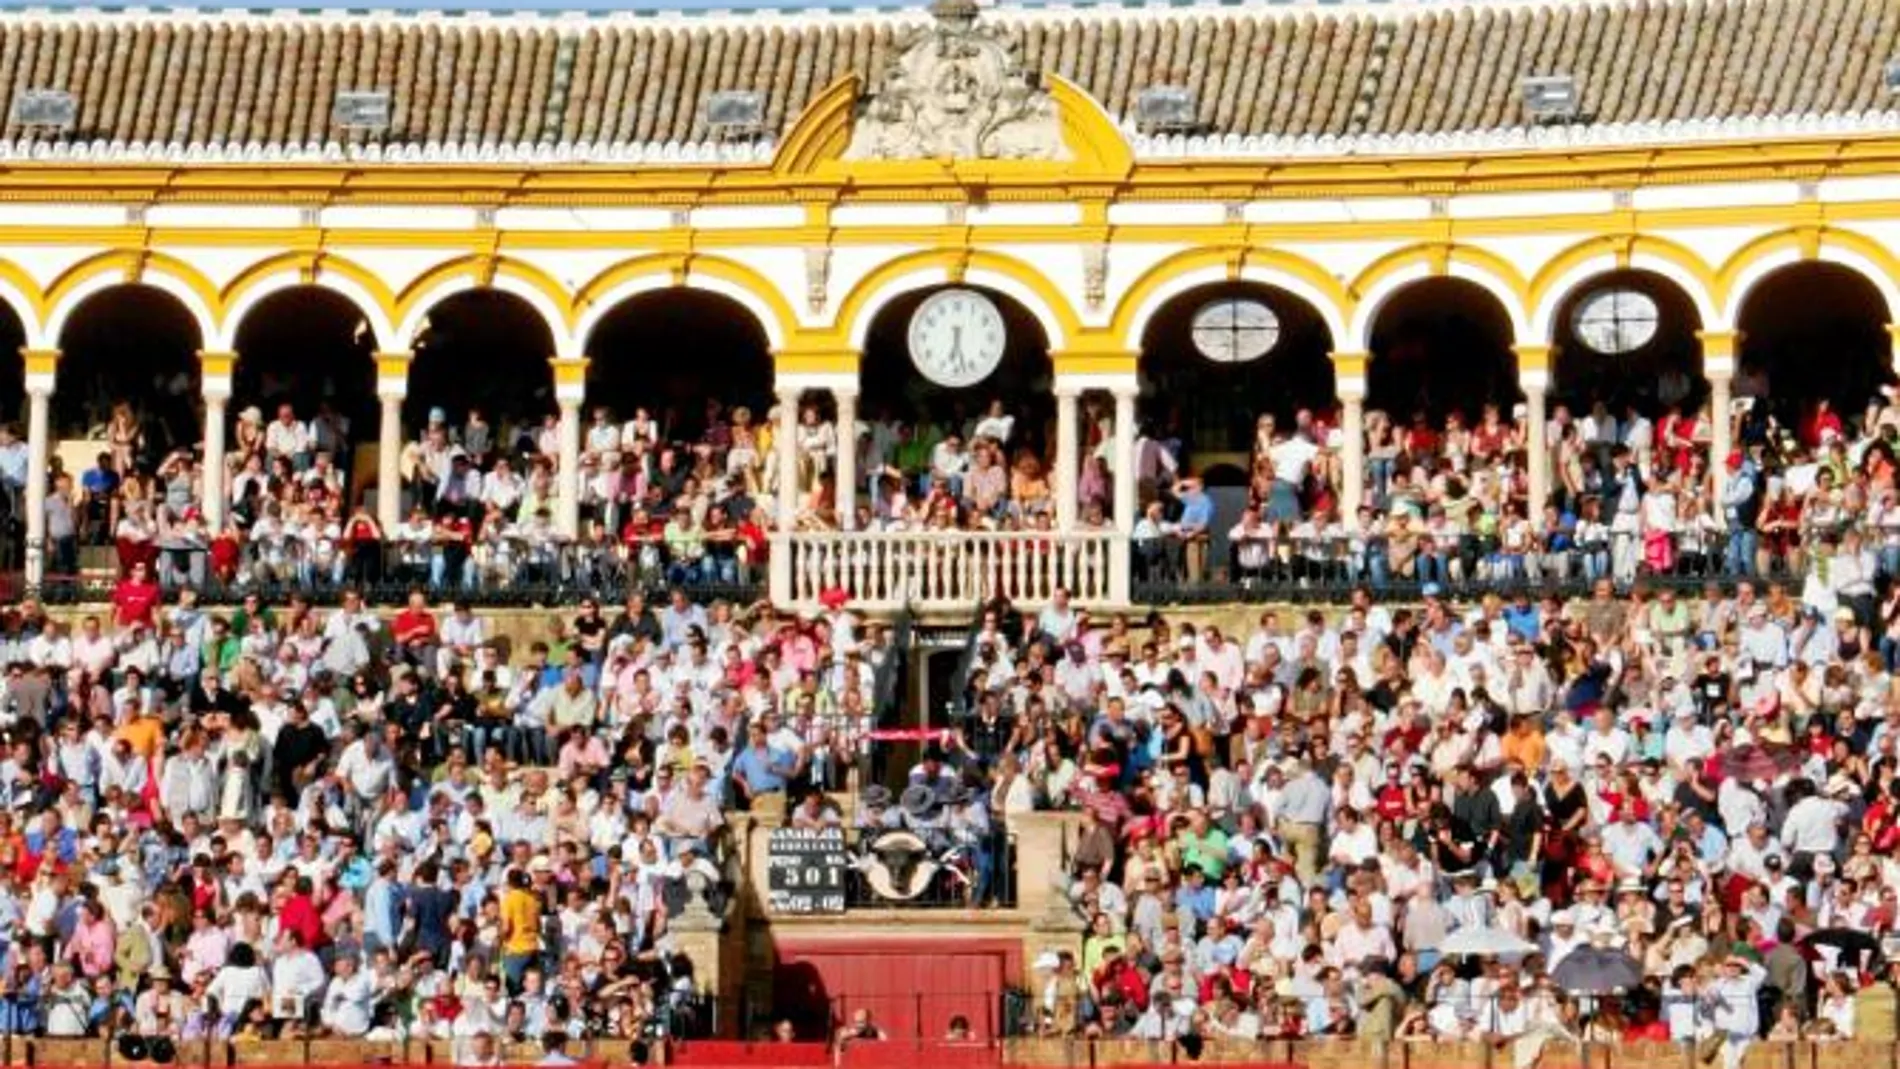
<point x="942" y="570"/>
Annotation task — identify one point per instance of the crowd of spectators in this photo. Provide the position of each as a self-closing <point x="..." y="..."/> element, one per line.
<point x="280" y="821"/>
<point x="1285" y="829"/>
<point x="1629" y="494"/>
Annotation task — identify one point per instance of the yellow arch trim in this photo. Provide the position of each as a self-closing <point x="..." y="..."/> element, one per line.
<point x="1809" y="241"/>
<point x="309" y="264"/>
<point x="484" y="269"/>
<point x="28" y="287"/>
<point x="133" y="265"/>
<point x="679" y="268"/>
<point x="1159" y="275"/>
<point x="1626" y="247"/>
<point x="822" y="131"/>
<point x="956" y="262"/>
<point x="1440" y="256"/>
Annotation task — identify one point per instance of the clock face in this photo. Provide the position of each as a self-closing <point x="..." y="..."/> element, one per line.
<point x="957" y="337"/>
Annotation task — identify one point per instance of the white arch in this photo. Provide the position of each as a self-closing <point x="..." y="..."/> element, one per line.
<point x="565" y="345"/>
<point x="1749" y="277"/>
<point x="380" y="328"/>
<point x="194" y="303"/>
<point x="627" y="289"/>
<point x="1544" y="319"/>
<point x="23" y="308"/>
<point x="1176" y="285"/>
<point x="1383" y="290"/>
<point x="925" y="277"/>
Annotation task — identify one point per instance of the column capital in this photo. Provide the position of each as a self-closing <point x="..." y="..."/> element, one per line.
<point x="1719" y="351"/>
<point x="817" y="360"/>
<point x="570" y="378"/>
<point x="1093" y="361"/>
<point x="1534" y="361"/>
<point x="42" y="367"/>
<point x="1073" y="383"/>
<point x="214" y="373"/>
<point x="392" y="373"/>
<point x="796" y="383"/>
<point x="1349" y="373"/>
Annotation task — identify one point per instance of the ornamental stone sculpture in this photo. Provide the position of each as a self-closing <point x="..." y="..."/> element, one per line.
<point x="956" y="91"/>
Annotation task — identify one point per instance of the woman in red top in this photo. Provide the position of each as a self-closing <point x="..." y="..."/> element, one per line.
<point x="135" y="597"/>
<point x="1824" y="420"/>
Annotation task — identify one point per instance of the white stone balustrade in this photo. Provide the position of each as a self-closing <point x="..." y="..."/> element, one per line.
<point x="942" y="570"/>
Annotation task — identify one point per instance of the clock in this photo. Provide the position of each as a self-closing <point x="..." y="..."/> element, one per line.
<point x="957" y="337"/>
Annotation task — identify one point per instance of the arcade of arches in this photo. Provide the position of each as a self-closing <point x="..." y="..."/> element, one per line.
<point x="1200" y="369"/>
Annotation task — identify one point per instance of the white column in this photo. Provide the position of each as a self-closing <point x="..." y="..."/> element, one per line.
<point x="570" y="391"/>
<point x="785" y="464"/>
<point x="568" y="519"/>
<point x="1066" y="455"/>
<point x="392" y="387"/>
<point x="1537" y="449"/>
<point x="1719" y="350"/>
<point x="1349" y="381"/>
<point x="215" y="375"/>
<point x="1533" y="377"/>
<point x="1352" y="431"/>
<point x="38" y="449"/>
<point x="847" y="472"/>
<point x="1121" y="563"/>
<point x="785" y="445"/>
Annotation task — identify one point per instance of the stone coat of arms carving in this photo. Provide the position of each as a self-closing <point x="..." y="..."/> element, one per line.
<point x="956" y="91"/>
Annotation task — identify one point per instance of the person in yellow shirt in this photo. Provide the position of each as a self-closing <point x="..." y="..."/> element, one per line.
<point x="520" y="928"/>
<point x="144" y="731"/>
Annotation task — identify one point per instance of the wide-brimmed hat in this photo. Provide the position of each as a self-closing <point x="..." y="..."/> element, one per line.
<point x="919" y="802"/>
<point x="876" y="796"/>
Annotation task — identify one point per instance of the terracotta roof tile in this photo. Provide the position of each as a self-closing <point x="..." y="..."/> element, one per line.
<point x="1353" y="69"/>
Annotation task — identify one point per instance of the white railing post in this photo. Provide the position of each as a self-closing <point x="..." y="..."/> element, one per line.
<point x="779" y="569"/>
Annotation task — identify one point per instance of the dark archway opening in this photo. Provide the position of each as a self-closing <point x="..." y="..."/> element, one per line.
<point x="481" y="350"/>
<point x="1614" y="311"/>
<point x="1210" y="403"/>
<point x="685" y="357"/>
<point x="309" y="348"/>
<point x="894" y="388"/>
<point x="135" y="345"/>
<point x="1441" y="345"/>
<point x="1812" y="332"/>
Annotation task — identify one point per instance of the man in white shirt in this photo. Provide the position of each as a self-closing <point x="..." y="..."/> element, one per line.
<point x="296" y="977"/>
<point x="1813" y="827"/>
<point x="347" y="1001"/>
<point x="289" y="438"/>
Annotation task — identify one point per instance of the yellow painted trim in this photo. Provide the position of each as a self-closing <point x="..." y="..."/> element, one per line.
<point x="484" y="270"/>
<point x="1163" y="273"/>
<point x="216" y="362"/>
<point x="1719" y="344"/>
<point x="1534" y="357"/>
<point x="816" y="361"/>
<point x="822" y="131"/>
<point x="1439" y="256"/>
<point x="679" y="268"/>
<point x="311" y="266"/>
<point x="40" y="361"/>
<point x="957" y="263"/>
<point x="1809" y="243"/>
<point x="1096" y="362"/>
<point x="133" y="266"/>
<point x="1351" y="364"/>
<point x="569" y="371"/>
<point x="1625" y="246"/>
<point x="394" y="363"/>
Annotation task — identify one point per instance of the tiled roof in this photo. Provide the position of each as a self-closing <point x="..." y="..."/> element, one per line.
<point x="1345" y="71"/>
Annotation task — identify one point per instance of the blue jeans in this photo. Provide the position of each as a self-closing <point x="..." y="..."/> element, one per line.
<point x="529" y="745"/>
<point x="1739" y="557"/>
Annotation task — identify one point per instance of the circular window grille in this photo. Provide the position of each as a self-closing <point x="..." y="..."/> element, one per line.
<point x="1616" y="321"/>
<point x="1234" y="330"/>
